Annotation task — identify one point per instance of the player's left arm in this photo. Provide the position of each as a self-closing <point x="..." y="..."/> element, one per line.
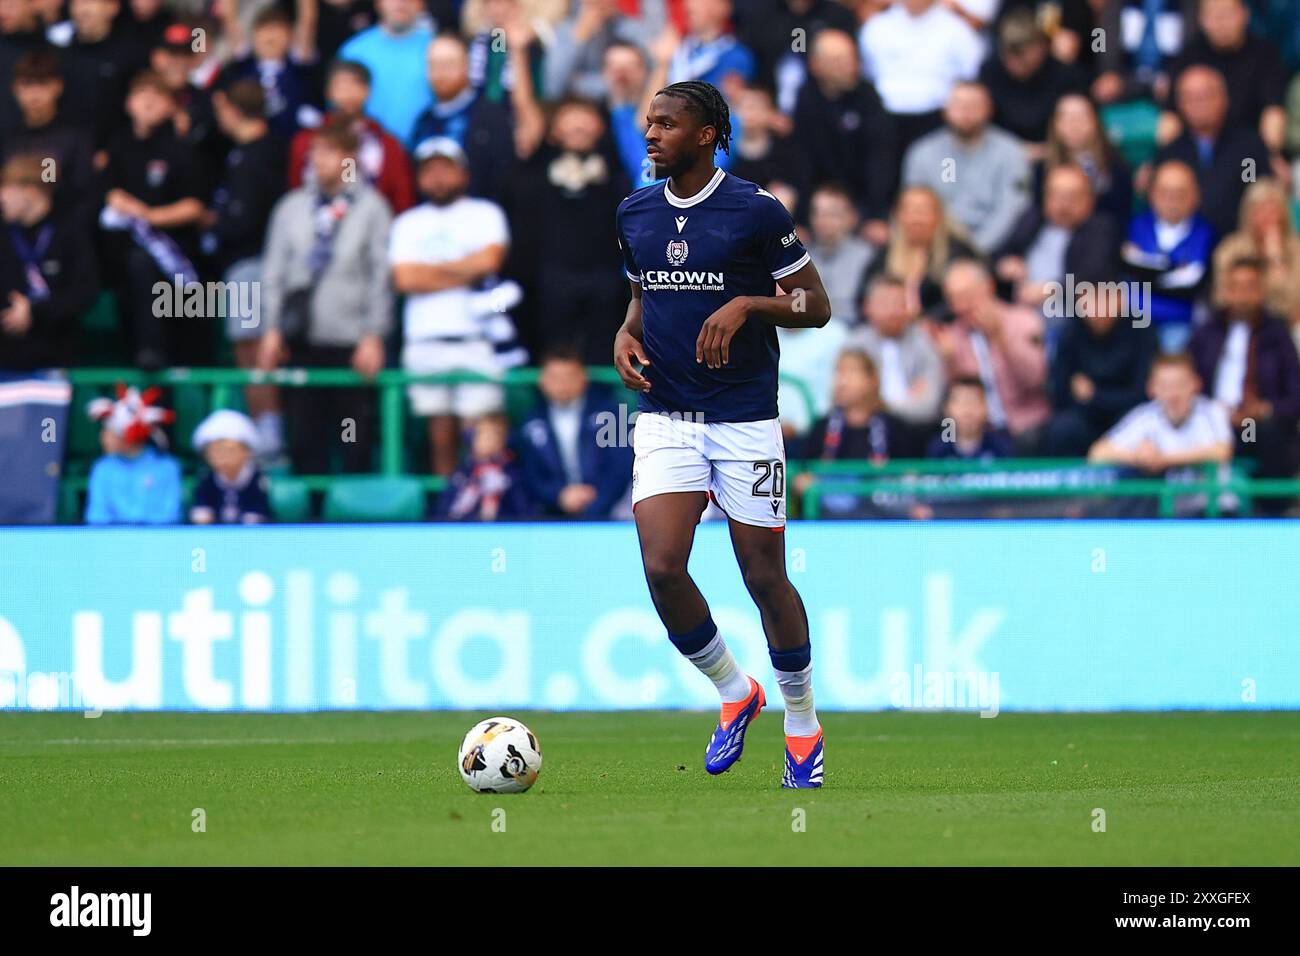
<point x="805" y="305"/>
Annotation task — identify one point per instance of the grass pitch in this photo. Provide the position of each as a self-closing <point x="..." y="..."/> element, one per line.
<point x="630" y="788"/>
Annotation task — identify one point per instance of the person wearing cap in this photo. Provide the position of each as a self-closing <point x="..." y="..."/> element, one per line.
<point x="327" y="302"/>
<point x="233" y="490"/>
<point x="136" y="481"/>
<point x="48" y="275"/>
<point x="439" y="252"/>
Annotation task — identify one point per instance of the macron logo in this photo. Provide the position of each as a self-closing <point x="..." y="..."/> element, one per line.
<point x="681" y="224"/>
<point x="102" y="909"/>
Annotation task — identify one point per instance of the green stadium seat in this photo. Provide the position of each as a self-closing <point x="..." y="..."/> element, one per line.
<point x="290" y="499"/>
<point x="1132" y="128"/>
<point x="374" y="498"/>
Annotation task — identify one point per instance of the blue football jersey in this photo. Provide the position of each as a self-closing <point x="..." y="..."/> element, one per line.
<point x="690" y="256"/>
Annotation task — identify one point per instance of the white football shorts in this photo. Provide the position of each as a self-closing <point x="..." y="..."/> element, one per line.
<point x="741" y="465"/>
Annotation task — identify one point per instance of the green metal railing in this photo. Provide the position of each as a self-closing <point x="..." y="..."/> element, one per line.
<point x="1074" y="478"/>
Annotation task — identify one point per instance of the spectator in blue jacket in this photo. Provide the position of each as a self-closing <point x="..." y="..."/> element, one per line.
<point x="1170" y="246"/>
<point x="135" y="482"/>
<point x="571" y="466"/>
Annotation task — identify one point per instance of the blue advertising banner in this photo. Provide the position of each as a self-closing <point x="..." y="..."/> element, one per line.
<point x="983" y="617"/>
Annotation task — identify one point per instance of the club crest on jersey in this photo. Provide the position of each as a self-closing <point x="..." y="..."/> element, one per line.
<point x="677" y="251"/>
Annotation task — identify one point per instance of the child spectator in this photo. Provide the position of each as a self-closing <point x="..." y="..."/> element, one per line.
<point x="1178" y="428"/>
<point x="234" y="490"/>
<point x="488" y="486"/>
<point x="858" y="427"/>
<point x="571" y="468"/>
<point x="967" y="433"/>
<point x="135" y="482"/>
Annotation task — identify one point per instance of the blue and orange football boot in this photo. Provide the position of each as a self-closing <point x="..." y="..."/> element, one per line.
<point x="803" y="762"/>
<point x="729" y="739"/>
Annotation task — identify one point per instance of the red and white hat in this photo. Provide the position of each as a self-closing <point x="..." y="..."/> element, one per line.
<point x="133" y="417"/>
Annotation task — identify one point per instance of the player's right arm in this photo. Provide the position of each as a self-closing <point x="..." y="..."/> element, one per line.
<point x="629" y="345"/>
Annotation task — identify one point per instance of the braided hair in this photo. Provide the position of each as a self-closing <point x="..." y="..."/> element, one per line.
<point x="704" y="100"/>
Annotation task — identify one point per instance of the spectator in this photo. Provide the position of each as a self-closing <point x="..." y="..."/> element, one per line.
<point x="840" y="256"/>
<point x="98" y="61"/>
<point x="326" y="302"/>
<point x="146" y="20"/>
<point x="381" y="160"/>
<point x="968" y="433"/>
<point x="234" y="228"/>
<point x="765" y="152"/>
<point x="1177" y="429"/>
<point x="710" y="51"/>
<point x="1250" y="66"/>
<point x="393" y="50"/>
<point x="911" y="376"/>
<point x="1169" y="246"/>
<point x="567" y="192"/>
<point x="575" y="59"/>
<point x="1219" y="153"/>
<point x="1098" y="372"/>
<point x="1077" y="137"/>
<point x="1001" y="346"/>
<point x="282" y="58"/>
<point x="914" y="52"/>
<point x="483" y="128"/>
<point x="135" y="482"/>
<point x="808" y="355"/>
<point x="505" y="55"/>
<point x="570" y="467"/>
<point x="770" y="30"/>
<point x="488" y="486"/>
<point x="1068" y="238"/>
<point x="1249" y="362"/>
<point x="1267" y="232"/>
<point x="1025" y="81"/>
<point x="923" y="241"/>
<point x="978" y="171"/>
<point x="340" y="20"/>
<point x="233" y="490"/>
<point x="153" y="207"/>
<point x="846" y="135"/>
<point x="38" y="88"/>
<point x="48" y="275"/>
<point x="629" y="86"/>
<point x="1150" y="35"/>
<point x="195" y="122"/>
<point x="440" y="253"/>
<point x="858" y="428"/>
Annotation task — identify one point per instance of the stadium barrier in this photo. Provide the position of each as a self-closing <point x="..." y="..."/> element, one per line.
<point x="891" y="483"/>
<point x="974" y="617"/>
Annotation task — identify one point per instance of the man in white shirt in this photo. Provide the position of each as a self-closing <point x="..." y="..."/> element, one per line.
<point x="1178" y="429"/>
<point x="440" y="251"/>
<point x="914" y="52"/>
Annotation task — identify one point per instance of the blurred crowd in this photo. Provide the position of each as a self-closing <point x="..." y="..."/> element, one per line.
<point x="431" y="185"/>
